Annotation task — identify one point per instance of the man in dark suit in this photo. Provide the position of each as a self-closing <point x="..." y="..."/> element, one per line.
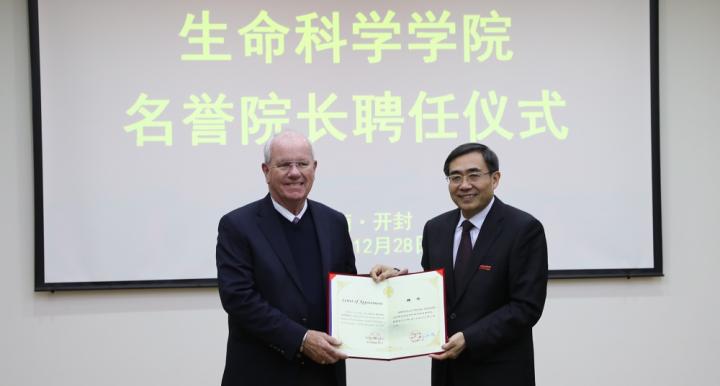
<point x="495" y="259"/>
<point x="273" y="259"/>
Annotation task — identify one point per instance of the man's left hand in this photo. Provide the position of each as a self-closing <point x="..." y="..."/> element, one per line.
<point x="454" y="346"/>
<point x="381" y="272"/>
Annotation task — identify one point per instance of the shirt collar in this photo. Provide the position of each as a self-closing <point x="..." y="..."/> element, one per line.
<point x="286" y="213"/>
<point x="478" y="219"/>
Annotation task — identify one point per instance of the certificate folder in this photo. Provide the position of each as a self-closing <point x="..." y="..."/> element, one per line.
<point x="400" y="317"/>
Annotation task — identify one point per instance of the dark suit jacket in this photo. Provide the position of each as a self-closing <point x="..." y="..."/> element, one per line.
<point x="261" y="291"/>
<point x="498" y="302"/>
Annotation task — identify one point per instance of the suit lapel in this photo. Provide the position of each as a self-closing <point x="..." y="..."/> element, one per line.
<point x="447" y="252"/>
<point x="323" y="229"/>
<point x="269" y="224"/>
<point x="491" y="228"/>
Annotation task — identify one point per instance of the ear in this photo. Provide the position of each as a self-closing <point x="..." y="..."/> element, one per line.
<point x="495" y="179"/>
<point x="266" y="171"/>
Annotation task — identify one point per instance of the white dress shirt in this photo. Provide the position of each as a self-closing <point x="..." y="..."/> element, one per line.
<point x="286" y="213"/>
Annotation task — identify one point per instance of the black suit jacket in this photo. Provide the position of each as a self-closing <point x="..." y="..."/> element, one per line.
<point x="262" y="293"/>
<point x="498" y="302"/>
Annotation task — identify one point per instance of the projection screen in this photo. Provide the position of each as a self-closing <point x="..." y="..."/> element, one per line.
<point x="150" y="120"/>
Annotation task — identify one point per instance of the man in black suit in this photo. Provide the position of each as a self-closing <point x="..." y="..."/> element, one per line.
<point x="273" y="259"/>
<point x="495" y="260"/>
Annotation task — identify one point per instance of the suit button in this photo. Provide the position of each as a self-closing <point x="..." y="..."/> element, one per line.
<point x="453" y="316"/>
<point x="304" y="321"/>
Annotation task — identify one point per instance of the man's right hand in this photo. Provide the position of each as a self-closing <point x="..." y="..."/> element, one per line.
<point x="322" y="348"/>
<point x="381" y="272"/>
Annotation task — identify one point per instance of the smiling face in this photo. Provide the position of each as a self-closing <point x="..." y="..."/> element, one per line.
<point x="290" y="172"/>
<point x="472" y="197"/>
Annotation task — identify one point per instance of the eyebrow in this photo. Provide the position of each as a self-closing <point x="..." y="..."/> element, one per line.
<point x="280" y="161"/>
<point x="465" y="171"/>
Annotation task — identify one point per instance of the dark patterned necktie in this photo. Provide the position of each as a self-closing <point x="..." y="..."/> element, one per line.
<point x="464" y="252"/>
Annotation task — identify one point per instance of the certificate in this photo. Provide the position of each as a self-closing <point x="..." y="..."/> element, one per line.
<point x="400" y="317"/>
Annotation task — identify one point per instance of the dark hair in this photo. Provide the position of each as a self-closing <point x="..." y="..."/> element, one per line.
<point x="491" y="159"/>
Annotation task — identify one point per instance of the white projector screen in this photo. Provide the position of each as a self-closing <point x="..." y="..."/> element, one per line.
<point x="150" y="120"/>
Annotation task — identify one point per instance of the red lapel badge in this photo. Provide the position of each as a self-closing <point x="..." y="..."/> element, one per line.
<point x="485" y="267"/>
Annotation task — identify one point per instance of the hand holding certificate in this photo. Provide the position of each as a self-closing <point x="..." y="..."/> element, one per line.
<point x="399" y="317"/>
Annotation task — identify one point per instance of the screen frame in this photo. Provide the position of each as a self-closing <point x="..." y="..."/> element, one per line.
<point x="42" y="285"/>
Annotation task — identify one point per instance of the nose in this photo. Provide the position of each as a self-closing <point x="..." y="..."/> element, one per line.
<point x="294" y="170"/>
<point x="465" y="184"/>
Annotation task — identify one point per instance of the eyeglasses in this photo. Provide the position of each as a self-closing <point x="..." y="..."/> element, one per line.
<point x="474" y="177"/>
<point x="288" y="165"/>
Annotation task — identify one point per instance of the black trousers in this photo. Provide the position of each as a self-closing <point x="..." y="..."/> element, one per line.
<point x="313" y="374"/>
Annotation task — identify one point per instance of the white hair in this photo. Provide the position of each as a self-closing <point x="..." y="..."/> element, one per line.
<point x="268" y="145"/>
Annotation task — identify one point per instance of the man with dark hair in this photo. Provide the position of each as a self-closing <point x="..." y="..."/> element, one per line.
<point x="273" y="259"/>
<point x="495" y="262"/>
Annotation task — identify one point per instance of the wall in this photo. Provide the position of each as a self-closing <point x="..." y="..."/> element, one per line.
<point x="657" y="331"/>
